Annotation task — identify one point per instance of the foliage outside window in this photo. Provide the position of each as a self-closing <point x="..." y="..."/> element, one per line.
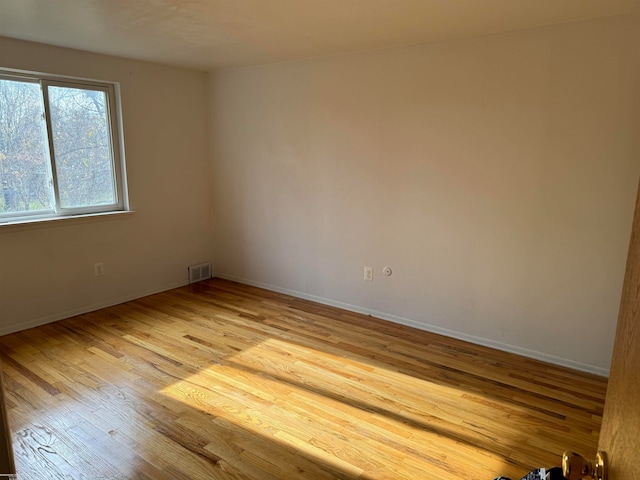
<point x="60" y="148"/>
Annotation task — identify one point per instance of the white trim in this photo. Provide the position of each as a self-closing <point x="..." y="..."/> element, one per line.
<point x="7" y="329"/>
<point x="486" y="342"/>
<point x="525" y="352"/>
<point x="13" y="226"/>
<point x="111" y="91"/>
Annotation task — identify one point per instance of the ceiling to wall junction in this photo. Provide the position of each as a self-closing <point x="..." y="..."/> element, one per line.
<point x="214" y="34"/>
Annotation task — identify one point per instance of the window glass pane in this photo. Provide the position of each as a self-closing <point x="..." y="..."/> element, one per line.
<point x="25" y="173"/>
<point x="82" y="146"/>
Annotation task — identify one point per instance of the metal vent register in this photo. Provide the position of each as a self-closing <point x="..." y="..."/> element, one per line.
<point x="199" y="272"/>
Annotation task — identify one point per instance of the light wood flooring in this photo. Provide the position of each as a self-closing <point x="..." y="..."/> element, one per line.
<point x="223" y="381"/>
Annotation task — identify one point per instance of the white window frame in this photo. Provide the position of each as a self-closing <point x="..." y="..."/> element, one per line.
<point x="114" y="111"/>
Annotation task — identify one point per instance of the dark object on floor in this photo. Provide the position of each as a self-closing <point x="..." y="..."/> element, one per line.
<point x="554" y="473"/>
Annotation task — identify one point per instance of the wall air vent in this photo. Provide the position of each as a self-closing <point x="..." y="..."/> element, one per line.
<point x="199" y="272"/>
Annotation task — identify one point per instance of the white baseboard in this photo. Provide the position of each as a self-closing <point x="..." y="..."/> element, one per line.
<point x="6" y="329"/>
<point x="525" y="352"/>
<point x="487" y="342"/>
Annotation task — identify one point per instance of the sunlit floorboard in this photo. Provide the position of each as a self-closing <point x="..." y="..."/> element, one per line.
<point x="225" y="381"/>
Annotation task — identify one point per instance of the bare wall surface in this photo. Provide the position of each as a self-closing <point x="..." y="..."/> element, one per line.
<point x="495" y="175"/>
<point x="46" y="273"/>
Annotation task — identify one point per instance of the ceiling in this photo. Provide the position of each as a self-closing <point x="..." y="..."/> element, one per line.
<point x="214" y="34"/>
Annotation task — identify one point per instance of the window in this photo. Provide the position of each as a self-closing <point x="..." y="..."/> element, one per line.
<point x="61" y="151"/>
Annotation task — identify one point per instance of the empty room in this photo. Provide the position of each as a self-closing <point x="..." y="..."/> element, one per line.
<point x="319" y="239"/>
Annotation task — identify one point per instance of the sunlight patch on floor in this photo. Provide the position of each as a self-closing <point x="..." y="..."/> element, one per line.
<point x="328" y="407"/>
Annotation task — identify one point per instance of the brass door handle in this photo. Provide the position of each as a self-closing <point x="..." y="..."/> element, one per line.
<point x="575" y="467"/>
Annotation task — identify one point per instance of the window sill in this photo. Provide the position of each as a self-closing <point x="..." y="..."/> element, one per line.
<point x="32" y="224"/>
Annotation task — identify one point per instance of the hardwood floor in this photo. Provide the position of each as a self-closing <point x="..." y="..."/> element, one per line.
<point x="224" y="381"/>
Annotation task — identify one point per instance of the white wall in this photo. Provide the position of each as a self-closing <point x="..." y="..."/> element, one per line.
<point x="495" y="175"/>
<point x="46" y="273"/>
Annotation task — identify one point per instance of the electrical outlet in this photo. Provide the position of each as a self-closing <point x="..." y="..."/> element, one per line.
<point x="368" y="274"/>
<point x="98" y="269"/>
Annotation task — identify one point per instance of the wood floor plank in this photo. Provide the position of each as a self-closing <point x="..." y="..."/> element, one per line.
<point x="225" y="381"/>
